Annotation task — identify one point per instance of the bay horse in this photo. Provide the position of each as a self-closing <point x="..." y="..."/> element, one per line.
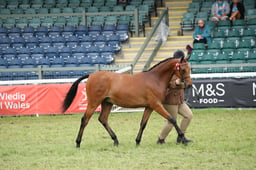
<point x="146" y="89"/>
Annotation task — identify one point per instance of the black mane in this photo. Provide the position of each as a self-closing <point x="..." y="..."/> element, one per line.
<point x="158" y="64"/>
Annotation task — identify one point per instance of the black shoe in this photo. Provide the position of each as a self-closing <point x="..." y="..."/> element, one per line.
<point x="183" y="140"/>
<point x="160" y="141"/>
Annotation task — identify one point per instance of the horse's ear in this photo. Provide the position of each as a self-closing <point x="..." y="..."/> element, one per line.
<point x="181" y="59"/>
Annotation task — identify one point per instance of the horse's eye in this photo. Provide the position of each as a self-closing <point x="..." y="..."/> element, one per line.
<point x="183" y="71"/>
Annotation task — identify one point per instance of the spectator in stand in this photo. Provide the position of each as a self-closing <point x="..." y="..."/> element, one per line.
<point x="220" y="11"/>
<point x="236" y="10"/>
<point x="202" y="33"/>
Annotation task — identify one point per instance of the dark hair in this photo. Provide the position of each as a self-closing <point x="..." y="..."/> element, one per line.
<point x="178" y="54"/>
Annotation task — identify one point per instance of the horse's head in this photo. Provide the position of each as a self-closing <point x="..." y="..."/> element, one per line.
<point x="183" y="71"/>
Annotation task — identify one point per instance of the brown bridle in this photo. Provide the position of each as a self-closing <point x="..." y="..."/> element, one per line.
<point x="178" y="68"/>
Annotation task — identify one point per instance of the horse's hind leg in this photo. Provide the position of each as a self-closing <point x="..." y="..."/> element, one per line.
<point x="84" y="121"/>
<point x="143" y="123"/>
<point x="103" y="118"/>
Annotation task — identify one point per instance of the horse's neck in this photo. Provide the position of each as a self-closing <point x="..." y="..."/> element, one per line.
<point x="165" y="71"/>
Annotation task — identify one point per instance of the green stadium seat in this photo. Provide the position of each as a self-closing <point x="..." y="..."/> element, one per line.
<point x="207" y="57"/>
<point x="118" y="8"/>
<point x="218" y="40"/>
<point x="9" y="22"/>
<point x="150" y="4"/>
<point x="35" y="22"/>
<point x="55" y="11"/>
<point x="229" y="44"/>
<point x="130" y="8"/>
<point x="201" y="15"/>
<point x="222" y="57"/>
<point x="12" y="4"/>
<point x="211" y="24"/>
<point x="198" y="53"/>
<point x="199" y="46"/>
<point x="74" y="21"/>
<point x="224" y="23"/>
<point x="187" y="22"/>
<point x="79" y="9"/>
<point x="43" y="11"/>
<point x="233" y="39"/>
<point x="74" y="3"/>
<point x="238" y="56"/>
<point x="235" y="69"/>
<point x="86" y="3"/>
<point x="251" y="21"/>
<point x="222" y="62"/>
<point x="250" y="13"/>
<point x="1" y="22"/>
<point x="89" y="20"/>
<point x="30" y="11"/>
<point x="228" y="51"/>
<point x="93" y="9"/>
<point x="105" y="9"/>
<point x="136" y="3"/>
<point x="244" y="44"/>
<point x="214" y="46"/>
<point x="233" y="33"/>
<point x="60" y="21"/>
<point x="37" y="4"/>
<point x="49" y="3"/>
<point x="62" y="3"/>
<point x="218" y="34"/>
<point x="47" y="21"/>
<point x="239" y="22"/>
<point x="111" y="3"/>
<point x="200" y="70"/>
<point x="22" y="22"/>
<point x="17" y="11"/>
<point x="98" y="3"/>
<point x="249" y="32"/>
<point x="144" y="10"/>
<point x="67" y="10"/>
<point x="3" y="4"/>
<point x="206" y="6"/>
<point x="5" y="11"/>
<point x="213" y="52"/>
<point x="237" y="61"/>
<point x="98" y="20"/>
<point x="193" y="7"/>
<point x="124" y="19"/>
<point x="25" y="4"/>
<point x="251" y="61"/>
<point x="111" y="20"/>
<point x="218" y="69"/>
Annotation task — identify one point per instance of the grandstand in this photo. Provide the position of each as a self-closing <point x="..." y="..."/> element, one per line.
<point x="54" y="39"/>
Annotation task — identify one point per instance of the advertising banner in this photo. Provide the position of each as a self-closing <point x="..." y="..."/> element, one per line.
<point x="40" y="99"/>
<point x="236" y="93"/>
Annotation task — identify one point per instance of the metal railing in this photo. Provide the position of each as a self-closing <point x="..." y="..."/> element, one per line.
<point x="164" y="13"/>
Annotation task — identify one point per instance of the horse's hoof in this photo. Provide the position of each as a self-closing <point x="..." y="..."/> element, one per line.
<point x="78" y="145"/>
<point x="137" y="144"/>
<point x="116" y="143"/>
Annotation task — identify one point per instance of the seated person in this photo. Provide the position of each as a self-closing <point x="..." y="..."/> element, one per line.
<point x="236" y="10"/>
<point x="220" y="10"/>
<point x="202" y="33"/>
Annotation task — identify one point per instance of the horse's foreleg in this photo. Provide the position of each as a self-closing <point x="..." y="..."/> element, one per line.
<point x="103" y="118"/>
<point x="161" y="110"/>
<point x="84" y="121"/>
<point x="143" y="123"/>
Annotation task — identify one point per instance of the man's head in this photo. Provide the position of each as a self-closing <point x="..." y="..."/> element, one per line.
<point x="201" y="23"/>
<point x="235" y="1"/>
<point x="178" y="54"/>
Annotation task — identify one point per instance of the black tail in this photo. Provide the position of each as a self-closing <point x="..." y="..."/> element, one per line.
<point x="72" y="93"/>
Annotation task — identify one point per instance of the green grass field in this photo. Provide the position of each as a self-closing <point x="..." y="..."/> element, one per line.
<point x="223" y="139"/>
